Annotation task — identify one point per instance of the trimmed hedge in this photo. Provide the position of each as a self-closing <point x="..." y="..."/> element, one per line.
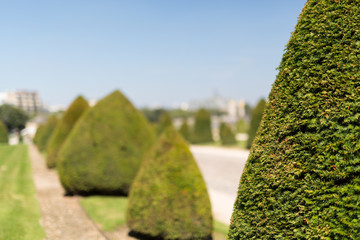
<point x="44" y="132"/>
<point x="63" y="128"/>
<point x="105" y="149"/>
<point x="4" y="135"/>
<point x="185" y="130"/>
<point x="227" y="136"/>
<point x="242" y="126"/>
<point x="202" y="128"/>
<point x="164" y="122"/>
<point x="168" y="198"/>
<point x="256" y="116"/>
<point x="302" y="178"/>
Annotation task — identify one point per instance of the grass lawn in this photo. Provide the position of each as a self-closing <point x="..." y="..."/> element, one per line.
<point x="19" y="209"/>
<point x="109" y="213"/>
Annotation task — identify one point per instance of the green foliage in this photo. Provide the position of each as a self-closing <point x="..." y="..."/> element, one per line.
<point x="302" y="178"/>
<point x="3" y="133"/>
<point x="13" y="117"/>
<point x="227" y="137"/>
<point x="19" y="208"/>
<point x="63" y="128"/>
<point x="242" y="126"/>
<point x="168" y="198"/>
<point x="105" y="149"/>
<point x="44" y="132"/>
<point x="202" y="129"/>
<point x="256" y="116"/>
<point x="164" y="122"/>
<point x="185" y="130"/>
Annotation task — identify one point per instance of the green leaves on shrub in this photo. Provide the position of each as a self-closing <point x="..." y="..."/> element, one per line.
<point x="256" y="116"/>
<point x="168" y="198"/>
<point x="3" y="133"/>
<point x="44" y="132"/>
<point x="202" y="128"/>
<point x="105" y="149"/>
<point x="302" y="178"/>
<point x="227" y="137"/>
<point x="63" y="128"/>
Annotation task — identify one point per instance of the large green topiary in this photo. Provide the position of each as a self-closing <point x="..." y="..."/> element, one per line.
<point x="168" y="198"/>
<point x="302" y="178"/>
<point x="63" y="128"/>
<point x="3" y="133"/>
<point x="202" y="128"/>
<point x="105" y="149"/>
<point x="227" y="136"/>
<point x="44" y="132"/>
<point x="256" y="116"/>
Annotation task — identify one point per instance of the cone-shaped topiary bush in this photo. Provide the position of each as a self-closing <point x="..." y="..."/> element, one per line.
<point x="105" y="149"/>
<point x="185" y="130"/>
<point x="202" y="128"/>
<point x="302" y="178"/>
<point x="242" y="126"/>
<point x="3" y="133"/>
<point x="256" y="116"/>
<point x="164" y="122"/>
<point x="168" y="198"/>
<point x="63" y="128"/>
<point x="227" y="137"/>
<point x="44" y="132"/>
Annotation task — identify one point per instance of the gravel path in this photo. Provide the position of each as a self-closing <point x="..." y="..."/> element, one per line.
<point x="62" y="217"/>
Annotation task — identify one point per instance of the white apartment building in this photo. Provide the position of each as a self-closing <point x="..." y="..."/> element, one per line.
<point x="25" y="100"/>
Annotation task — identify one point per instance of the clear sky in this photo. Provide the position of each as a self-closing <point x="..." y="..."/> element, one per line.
<point x="157" y="52"/>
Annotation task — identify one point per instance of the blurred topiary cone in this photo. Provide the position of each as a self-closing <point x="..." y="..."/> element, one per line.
<point x="63" y="128"/>
<point x="164" y="122"/>
<point x="3" y="133"/>
<point x="302" y="178"/>
<point x="105" y="149"/>
<point x="44" y="132"/>
<point x="168" y="198"/>
<point x="227" y="137"/>
<point x="256" y="116"/>
<point x="202" y="128"/>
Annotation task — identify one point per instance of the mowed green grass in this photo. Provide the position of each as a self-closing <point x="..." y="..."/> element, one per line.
<point x="110" y="212"/>
<point x="19" y="209"/>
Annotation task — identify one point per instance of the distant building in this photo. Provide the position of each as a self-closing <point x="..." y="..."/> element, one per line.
<point x="25" y="100"/>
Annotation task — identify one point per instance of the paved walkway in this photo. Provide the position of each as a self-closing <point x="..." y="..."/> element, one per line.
<point x="221" y="169"/>
<point x="62" y="217"/>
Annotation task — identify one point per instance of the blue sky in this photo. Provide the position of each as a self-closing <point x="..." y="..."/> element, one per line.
<point x="158" y="52"/>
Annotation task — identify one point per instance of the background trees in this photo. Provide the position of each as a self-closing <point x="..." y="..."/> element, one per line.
<point x="13" y="117"/>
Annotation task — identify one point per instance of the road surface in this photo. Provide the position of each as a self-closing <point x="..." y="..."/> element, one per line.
<point x="222" y="170"/>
